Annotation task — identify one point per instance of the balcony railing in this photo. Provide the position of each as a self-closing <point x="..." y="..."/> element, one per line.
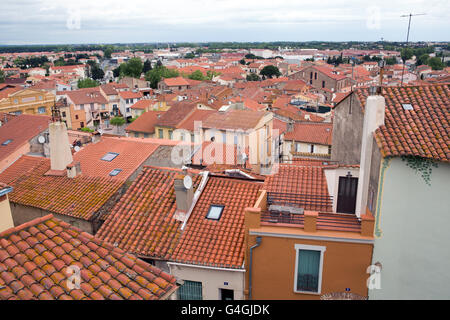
<point x="307" y="201"/>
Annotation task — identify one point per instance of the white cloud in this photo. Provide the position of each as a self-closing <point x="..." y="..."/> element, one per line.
<point x="204" y="15"/>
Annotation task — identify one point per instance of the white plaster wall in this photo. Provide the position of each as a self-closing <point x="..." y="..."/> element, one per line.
<point x="332" y="176"/>
<point x="414" y="244"/>
<point x="212" y="280"/>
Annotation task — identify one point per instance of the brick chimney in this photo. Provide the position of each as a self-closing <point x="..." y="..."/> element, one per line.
<point x="373" y="118"/>
<point x="6" y="220"/>
<point x="184" y="195"/>
<point x="60" y="154"/>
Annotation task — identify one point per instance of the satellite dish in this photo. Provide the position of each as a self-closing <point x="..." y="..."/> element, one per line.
<point x="77" y="148"/>
<point x="41" y="139"/>
<point x="187" y="181"/>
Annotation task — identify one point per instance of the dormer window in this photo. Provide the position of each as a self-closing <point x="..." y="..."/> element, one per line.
<point x="215" y="211"/>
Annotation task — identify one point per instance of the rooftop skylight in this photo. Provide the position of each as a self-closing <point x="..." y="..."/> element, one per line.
<point x="214" y="212"/>
<point x="110" y="156"/>
<point x="7" y="142"/>
<point x="115" y="172"/>
<point x="407" y="106"/>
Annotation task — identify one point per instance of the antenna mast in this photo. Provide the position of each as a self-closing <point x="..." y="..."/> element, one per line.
<point x="407" y="36"/>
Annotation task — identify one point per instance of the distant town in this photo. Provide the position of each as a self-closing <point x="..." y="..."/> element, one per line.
<point x="225" y="171"/>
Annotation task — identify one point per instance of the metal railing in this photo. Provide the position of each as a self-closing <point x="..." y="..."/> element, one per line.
<point x="317" y="202"/>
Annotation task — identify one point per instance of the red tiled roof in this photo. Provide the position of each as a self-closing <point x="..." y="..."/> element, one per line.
<point x="423" y="131"/>
<point x="20" y="130"/>
<point x="233" y="119"/>
<point x="198" y="115"/>
<point x="218" y="243"/>
<point x="35" y="258"/>
<point x="308" y="181"/>
<point x="145" y="122"/>
<point x="131" y="155"/>
<point x="79" y="197"/>
<point x="130" y="95"/>
<point x="142" y="221"/>
<point x="7" y="89"/>
<point x="86" y="96"/>
<point x="320" y="133"/>
<point x="142" y="104"/>
<point x="177" y="113"/>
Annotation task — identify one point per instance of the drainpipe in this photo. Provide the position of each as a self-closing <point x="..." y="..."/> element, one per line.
<point x="258" y="243"/>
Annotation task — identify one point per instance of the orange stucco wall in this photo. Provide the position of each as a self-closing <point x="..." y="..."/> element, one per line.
<point x="344" y="266"/>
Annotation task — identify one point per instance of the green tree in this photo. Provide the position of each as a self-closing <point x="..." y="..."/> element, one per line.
<point x="270" y="71"/>
<point x="390" y="61"/>
<point x="86" y="129"/>
<point x="422" y="59"/>
<point x="117" y="122"/>
<point x="197" y="75"/>
<point x="253" y="77"/>
<point x="116" y="72"/>
<point x="2" y="76"/>
<point x="189" y="55"/>
<point x="406" y="54"/>
<point x="107" y="52"/>
<point x="210" y="74"/>
<point x="242" y="61"/>
<point x="87" y="83"/>
<point x="435" y="63"/>
<point x="154" y="76"/>
<point x="132" y="68"/>
<point x="147" y="66"/>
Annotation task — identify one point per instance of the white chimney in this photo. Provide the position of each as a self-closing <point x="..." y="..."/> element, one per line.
<point x="60" y="154"/>
<point x="373" y="118"/>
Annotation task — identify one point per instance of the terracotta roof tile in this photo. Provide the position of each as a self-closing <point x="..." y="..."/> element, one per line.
<point x="43" y="277"/>
<point x="145" y="122"/>
<point x="233" y="119"/>
<point x="79" y="197"/>
<point x="20" y="130"/>
<point x="308" y="181"/>
<point x="320" y="133"/>
<point x="131" y="155"/>
<point x="218" y="243"/>
<point x="423" y="131"/>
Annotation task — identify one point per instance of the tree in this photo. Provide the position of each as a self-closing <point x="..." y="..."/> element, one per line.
<point x="2" y="76"/>
<point x="86" y="129"/>
<point x="116" y="72"/>
<point x="406" y="54"/>
<point x="132" y="68"/>
<point x="107" y="52"/>
<point x="117" y="122"/>
<point x="147" y="66"/>
<point x="197" y="75"/>
<point x="436" y="63"/>
<point x="154" y="76"/>
<point x="422" y="59"/>
<point x="270" y="71"/>
<point x="253" y="77"/>
<point x="87" y="83"/>
<point x="242" y="61"/>
<point x="390" y="61"/>
<point x="189" y="55"/>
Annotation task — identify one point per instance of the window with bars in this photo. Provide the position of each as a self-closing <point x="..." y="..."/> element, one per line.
<point x="190" y="290"/>
<point x="308" y="273"/>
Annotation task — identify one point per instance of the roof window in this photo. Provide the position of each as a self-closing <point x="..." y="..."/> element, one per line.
<point x="214" y="212"/>
<point x="110" y="156"/>
<point x="7" y="142"/>
<point x="115" y="172"/>
<point x="407" y="106"/>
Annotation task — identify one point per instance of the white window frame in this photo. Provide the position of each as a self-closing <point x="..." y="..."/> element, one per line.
<point x="298" y="247"/>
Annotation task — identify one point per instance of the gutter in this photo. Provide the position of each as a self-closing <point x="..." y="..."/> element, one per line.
<point x="258" y="243"/>
<point x="204" y="267"/>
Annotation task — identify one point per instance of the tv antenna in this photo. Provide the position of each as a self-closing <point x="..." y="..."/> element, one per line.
<point x="407" y="36"/>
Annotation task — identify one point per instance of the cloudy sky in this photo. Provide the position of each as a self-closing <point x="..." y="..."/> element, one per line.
<point x="127" y="21"/>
